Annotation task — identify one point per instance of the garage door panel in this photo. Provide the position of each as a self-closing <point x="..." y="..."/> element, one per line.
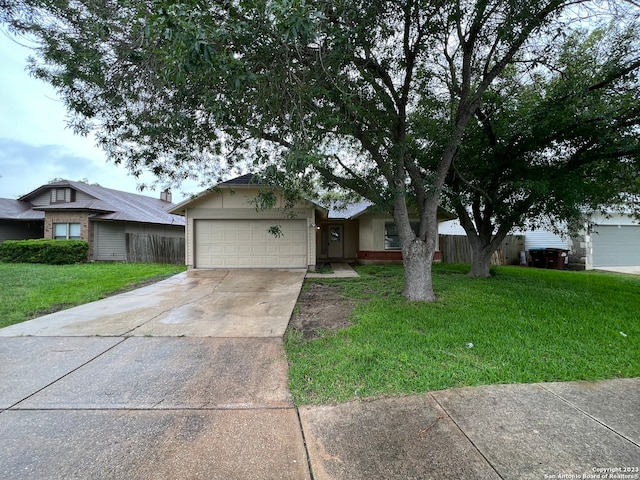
<point x="298" y="236"/>
<point x="295" y="249"/>
<point x="230" y="262"/>
<point x="248" y="244"/>
<point x="266" y="250"/>
<point x="616" y="246"/>
<point x="287" y="262"/>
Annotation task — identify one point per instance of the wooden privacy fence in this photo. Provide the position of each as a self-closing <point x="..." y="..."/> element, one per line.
<point x="456" y="249"/>
<point x="144" y="248"/>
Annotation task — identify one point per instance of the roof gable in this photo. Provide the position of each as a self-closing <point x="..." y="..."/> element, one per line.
<point x="244" y="182"/>
<point x="247" y="180"/>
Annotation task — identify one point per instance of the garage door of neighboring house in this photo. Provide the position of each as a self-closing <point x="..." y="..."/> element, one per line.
<point x="248" y="244"/>
<point x="109" y="242"/>
<point x="616" y="246"/>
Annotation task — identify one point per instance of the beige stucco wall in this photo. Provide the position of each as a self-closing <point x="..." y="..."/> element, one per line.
<point x="311" y="237"/>
<point x="372" y="233"/>
<point x="238" y="197"/>
<point x="236" y="203"/>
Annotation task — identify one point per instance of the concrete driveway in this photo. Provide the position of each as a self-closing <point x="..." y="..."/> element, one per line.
<point x="197" y="303"/>
<point x="186" y="378"/>
<point x="627" y="270"/>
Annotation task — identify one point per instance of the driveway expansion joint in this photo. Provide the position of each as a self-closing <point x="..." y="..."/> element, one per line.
<point x="13" y="407"/>
<point x="130" y="332"/>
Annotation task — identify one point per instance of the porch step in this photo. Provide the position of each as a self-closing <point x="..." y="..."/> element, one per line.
<point x="340" y="270"/>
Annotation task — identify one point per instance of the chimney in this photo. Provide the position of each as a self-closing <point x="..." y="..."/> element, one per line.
<point x="165" y="195"/>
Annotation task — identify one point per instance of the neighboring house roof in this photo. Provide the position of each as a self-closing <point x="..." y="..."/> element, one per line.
<point x="105" y="203"/>
<point x="92" y="205"/>
<point x="347" y="212"/>
<point x="355" y="210"/>
<point x="16" y="210"/>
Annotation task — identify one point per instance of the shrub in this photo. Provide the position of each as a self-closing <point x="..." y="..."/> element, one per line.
<point x="52" y="252"/>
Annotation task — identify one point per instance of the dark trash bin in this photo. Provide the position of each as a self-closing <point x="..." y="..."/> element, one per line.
<point x="537" y="258"/>
<point x="552" y="258"/>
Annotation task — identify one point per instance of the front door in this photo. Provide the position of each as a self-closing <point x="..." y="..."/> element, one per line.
<point x="335" y="249"/>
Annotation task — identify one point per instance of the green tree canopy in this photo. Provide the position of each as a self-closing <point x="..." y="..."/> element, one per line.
<point x="308" y="88"/>
<point x="552" y="142"/>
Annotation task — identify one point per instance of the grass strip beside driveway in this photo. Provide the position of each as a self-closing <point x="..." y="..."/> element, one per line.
<point x="31" y="290"/>
<point x="522" y="325"/>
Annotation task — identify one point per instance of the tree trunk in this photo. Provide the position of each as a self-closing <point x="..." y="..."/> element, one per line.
<point x="417" y="250"/>
<point x="482" y="248"/>
<point x="481" y="239"/>
<point x="480" y="261"/>
<point x="417" y="260"/>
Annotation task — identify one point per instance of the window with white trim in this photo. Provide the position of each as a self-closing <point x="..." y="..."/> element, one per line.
<point x="66" y="231"/>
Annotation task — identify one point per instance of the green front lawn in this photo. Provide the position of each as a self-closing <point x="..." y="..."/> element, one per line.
<point x="522" y="325"/>
<point x="31" y="290"/>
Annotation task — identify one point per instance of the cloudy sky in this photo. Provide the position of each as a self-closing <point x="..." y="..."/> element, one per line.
<point x="35" y="144"/>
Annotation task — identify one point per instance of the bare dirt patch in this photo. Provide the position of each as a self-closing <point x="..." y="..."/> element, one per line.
<point x="321" y="307"/>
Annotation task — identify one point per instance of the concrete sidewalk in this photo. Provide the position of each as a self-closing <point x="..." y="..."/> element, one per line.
<point x="536" y="431"/>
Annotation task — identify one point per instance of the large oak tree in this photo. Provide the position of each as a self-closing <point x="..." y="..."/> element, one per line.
<point x="326" y="88"/>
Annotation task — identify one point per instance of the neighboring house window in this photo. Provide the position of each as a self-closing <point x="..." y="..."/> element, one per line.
<point x="62" y="195"/>
<point x="391" y="237"/>
<point x="66" y="231"/>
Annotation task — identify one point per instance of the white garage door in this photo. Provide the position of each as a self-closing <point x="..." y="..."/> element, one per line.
<point x="248" y="244"/>
<point x="616" y="246"/>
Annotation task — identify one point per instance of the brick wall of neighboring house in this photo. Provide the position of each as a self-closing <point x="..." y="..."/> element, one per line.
<point x="86" y="233"/>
